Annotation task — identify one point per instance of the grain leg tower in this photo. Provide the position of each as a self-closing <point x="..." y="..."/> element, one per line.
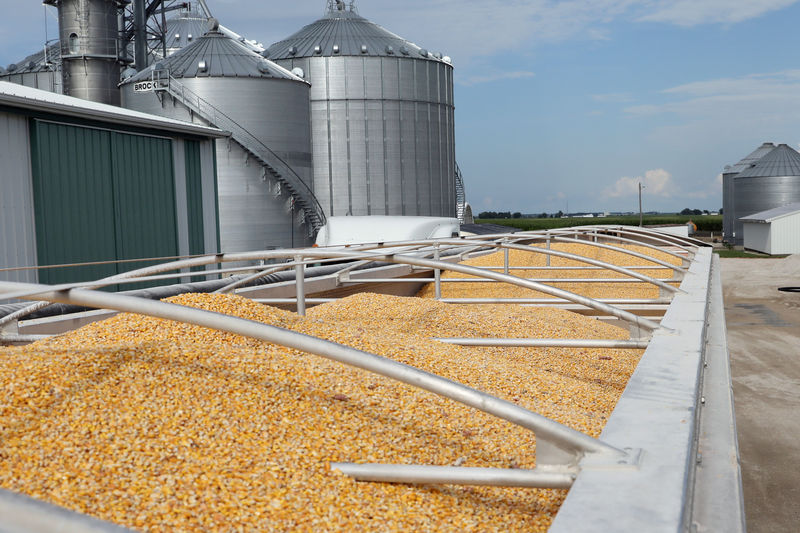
<point x="90" y="48"/>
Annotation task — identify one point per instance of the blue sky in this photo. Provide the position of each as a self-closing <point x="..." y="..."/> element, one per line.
<point x="570" y="104"/>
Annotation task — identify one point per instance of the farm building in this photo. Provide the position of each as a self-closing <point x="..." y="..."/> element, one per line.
<point x="775" y="231"/>
<point x="88" y="182"/>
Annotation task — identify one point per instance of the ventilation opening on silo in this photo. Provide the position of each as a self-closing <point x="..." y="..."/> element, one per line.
<point x="74" y="43"/>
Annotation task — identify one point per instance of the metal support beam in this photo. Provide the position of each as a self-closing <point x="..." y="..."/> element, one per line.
<point x="549" y="343"/>
<point x="459" y="475"/>
<point x="140" y="16"/>
<point x="300" y="284"/>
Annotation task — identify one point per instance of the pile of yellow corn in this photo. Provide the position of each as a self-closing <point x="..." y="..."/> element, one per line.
<point x="161" y="426"/>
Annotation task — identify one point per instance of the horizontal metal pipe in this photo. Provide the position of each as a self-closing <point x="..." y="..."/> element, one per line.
<point x="634" y="267"/>
<point x="476" y="280"/>
<point x="547" y="301"/>
<point x="11" y="338"/>
<point x="293" y="301"/>
<point x="549" y="343"/>
<point x="570" y="441"/>
<point x="458" y="475"/>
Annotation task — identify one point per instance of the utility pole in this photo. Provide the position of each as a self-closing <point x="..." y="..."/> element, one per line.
<point x="640" y="203"/>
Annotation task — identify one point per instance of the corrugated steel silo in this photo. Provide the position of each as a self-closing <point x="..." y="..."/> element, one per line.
<point x="773" y="181"/>
<point x="382" y="116"/>
<point x="90" y="48"/>
<point x="728" y="206"/>
<point x="218" y="80"/>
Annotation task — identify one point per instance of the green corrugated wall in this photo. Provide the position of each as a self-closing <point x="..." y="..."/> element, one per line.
<point x="98" y="196"/>
<point x="194" y="197"/>
<point x="194" y="201"/>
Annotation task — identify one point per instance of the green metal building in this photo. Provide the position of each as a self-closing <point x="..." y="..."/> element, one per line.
<point x="82" y="182"/>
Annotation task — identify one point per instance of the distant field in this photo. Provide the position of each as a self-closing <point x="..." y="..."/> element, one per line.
<point x="703" y="222"/>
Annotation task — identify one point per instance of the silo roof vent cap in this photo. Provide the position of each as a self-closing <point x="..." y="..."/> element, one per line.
<point x="423" y="52"/>
<point x="202" y="66"/>
<point x="404" y="50"/>
<point x="336" y="49"/>
<point x="293" y="50"/>
<point x="213" y="24"/>
<point x="297" y="71"/>
<point x="263" y="67"/>
<point x="389" y="49"/>
<point x="363" y="48"/>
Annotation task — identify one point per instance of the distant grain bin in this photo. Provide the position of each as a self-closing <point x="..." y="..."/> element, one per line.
<point x="774" y="181"/>
<point x="41" y="70"/>
<point x="730" y="172"/>
<point x="265" y="169"/>
<point x="382" y="117"/>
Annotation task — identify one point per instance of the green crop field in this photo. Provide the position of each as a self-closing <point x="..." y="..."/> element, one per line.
<point x="703" y="222"/>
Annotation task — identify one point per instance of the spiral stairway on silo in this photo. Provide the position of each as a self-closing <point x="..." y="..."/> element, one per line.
<point x="273" y="165"/>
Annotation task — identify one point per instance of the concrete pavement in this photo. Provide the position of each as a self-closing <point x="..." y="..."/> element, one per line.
<point x="764" y="343"/>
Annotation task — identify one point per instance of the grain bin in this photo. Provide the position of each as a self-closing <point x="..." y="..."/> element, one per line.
<point x="381" y="115"/>
<point x="773" y="181"/>
<point x="263" y="170"/>
<point x="40" y="70"/>
<point x="729" y="210"/>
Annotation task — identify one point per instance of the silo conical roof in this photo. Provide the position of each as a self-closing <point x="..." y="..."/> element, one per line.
<point x="750" y="159"/>
<point x="215" y="55"/>
<point x="40" y="61"/>
<point x="352" y="34"/>
<point x="781" y="161"/>
<point x="185" y="28"/>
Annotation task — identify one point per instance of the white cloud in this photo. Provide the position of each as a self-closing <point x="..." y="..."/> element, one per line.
<point x="613" y="98"/>
<point x="695" y="12"/>
<point x="657" y="182"/>
<point x="486" y="78"/>
<point x="757" y="98"/>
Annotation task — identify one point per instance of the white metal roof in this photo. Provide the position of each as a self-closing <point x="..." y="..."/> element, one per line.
<point x="19" y="96"/>
<point x="773" y="214"/>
